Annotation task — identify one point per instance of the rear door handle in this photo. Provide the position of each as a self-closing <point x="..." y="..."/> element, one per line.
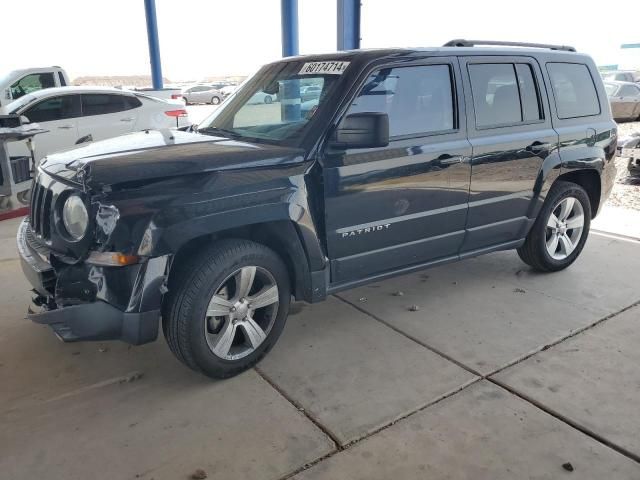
<point x="65" y="127"/>
<point x="127" y="119"/>
<point x="446" y="159"/>
<point x="538" y="147"/>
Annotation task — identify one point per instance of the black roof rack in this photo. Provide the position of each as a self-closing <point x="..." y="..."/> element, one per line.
<point x="472" y="43"/>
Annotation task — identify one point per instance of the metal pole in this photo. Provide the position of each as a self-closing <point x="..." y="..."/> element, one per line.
<point x="348" y="24"/>
<point x="289" y="19"/>
<point x="154" y="44"/>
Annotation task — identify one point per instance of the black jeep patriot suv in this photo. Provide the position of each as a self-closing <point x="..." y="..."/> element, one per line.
<point x="364" y="164"/>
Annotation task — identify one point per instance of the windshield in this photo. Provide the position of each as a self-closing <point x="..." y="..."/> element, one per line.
<point x="610" y="89"/>
<point x="16" y="105"/>
<point x="277" y="104"/>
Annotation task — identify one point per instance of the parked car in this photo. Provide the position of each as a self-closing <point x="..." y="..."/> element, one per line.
<point x="624" y="98"/>
<point x="202" y="94"/>
<point x="75" y="115"/>
<point x="263" y="97"/>
<point x="621" y="76"/>
<point x="411" y="158"/>
<point x="18" y="83"/>
<point x="228" y="90"/>
<point x="629" y="147"/>
<point x="310" y="92"/>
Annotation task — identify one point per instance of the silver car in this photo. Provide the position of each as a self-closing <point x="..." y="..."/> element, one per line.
<point x="202" y="94"/>
<point x="624" y="98"/>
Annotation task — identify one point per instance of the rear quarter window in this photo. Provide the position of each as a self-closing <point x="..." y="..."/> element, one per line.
<point x="574" y="90"/>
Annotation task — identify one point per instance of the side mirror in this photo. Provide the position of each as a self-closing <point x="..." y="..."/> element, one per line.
<point x="362" y="130"/>
<point x="24" y="120"/>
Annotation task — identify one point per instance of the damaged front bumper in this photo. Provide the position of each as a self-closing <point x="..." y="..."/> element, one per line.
<point x="91" y="302"/>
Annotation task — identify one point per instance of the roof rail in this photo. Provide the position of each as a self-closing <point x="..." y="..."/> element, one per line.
<point x="472" y="43"/>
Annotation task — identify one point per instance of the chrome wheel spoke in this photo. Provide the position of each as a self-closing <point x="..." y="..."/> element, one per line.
<point x="553" y="221"/>
<point x="566" y="246"/>
<point x="577" y="221"/>
<point x="566" y="207"/>
<point x="552" y="243"/>
<point x="254" y="333"/>
<point x="244" y="281"/>
<point x="219" y="307"/>
<point x="221" y="343"/>
<point x="266" y="296"/>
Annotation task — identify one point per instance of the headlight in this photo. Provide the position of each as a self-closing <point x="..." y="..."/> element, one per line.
<point x="75" y="217"/>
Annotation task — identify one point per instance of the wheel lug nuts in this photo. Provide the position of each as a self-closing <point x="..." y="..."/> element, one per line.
<point x="233" y="309"/>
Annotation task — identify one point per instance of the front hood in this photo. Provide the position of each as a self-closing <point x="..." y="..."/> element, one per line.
<point x="156" y="154"/>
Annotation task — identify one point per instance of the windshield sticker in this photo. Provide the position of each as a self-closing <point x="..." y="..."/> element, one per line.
<point x="324" y="68"/>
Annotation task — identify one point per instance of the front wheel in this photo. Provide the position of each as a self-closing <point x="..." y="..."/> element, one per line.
<point x="215" y="101"/>
<point x="561" y="229"/>
<point x="226" y="307"/>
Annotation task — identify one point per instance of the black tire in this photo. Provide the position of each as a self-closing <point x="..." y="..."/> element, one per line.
<point x="186" y="102"/>
<point x="192" y="284"/>
<point x="215" y="101"/>
<point x="534" y="250"/>
<point x="268" y="99"/>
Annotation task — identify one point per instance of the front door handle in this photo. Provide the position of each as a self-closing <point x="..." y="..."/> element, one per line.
<point x="65" y="127"/>
<point x="446" y="159"/>
<point x="127" y="119"/>
<point x="538" y="147"/>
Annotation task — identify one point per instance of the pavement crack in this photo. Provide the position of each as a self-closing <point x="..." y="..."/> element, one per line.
<point x="412" y="338"/>
<point x="566" y="420"/>
<point x="300" y="408"/>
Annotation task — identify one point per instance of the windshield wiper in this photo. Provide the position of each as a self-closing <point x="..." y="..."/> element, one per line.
<point x="230" y="133"/>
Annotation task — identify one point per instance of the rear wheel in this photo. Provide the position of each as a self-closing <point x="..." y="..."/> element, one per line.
<point x="215" y="101"/>
<point x="227" y="307"/>
<point x="268" y="99"/>
<point x="561" y="229"/>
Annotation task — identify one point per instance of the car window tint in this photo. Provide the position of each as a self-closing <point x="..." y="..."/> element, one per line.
<point x="102" y="104"/>
<point x="629" y="91"/>
<point x="417" y="99"/>
<point x="31" y="83"/>
<point x="528" y="93"/>
<point x="56" y="108"/>
<point x="574" y="90"/>
<point x="495" y="94"/>
<point x="131" y="102"/>
<point x="610" y="88"/>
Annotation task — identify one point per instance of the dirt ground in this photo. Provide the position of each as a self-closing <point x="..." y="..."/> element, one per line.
<point x="626" y="192"/>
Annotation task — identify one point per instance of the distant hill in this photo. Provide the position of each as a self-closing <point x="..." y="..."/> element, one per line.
<point x="145" y="80"/>
<point x="116" y="81"/>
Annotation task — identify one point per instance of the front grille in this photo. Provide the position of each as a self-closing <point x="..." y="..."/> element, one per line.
<point x="40" y="216"/>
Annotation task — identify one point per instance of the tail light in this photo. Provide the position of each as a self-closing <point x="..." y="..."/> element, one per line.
<point x="176" y="113"/>
<point x="175" y="96"/>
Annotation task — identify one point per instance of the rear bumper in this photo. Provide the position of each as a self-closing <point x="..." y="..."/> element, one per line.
<point x="87" y="302"/>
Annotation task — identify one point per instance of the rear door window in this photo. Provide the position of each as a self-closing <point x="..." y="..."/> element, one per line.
<point x="629" y="91"/>
<point x="103" y="104"/>
<point x="418" y="100"/>
<point x="574" y="90"/>
<point x="504" y="94"/>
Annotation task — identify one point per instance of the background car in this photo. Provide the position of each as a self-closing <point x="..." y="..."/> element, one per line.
<point x="202" y="94"/>
<point x="262" y="97"/>
<point x="624" y="98"/>
<point x="228" y="90"/>
<point x="622" y="76"/>
<point x="74" y="115"/>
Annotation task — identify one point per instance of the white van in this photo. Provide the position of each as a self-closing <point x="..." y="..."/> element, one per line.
<point x="17" y="83"/>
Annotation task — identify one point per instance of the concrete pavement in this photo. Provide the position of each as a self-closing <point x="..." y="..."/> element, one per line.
<point x="500" y="373"/>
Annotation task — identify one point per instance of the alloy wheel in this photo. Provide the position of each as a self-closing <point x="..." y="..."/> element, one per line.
<point x="241" y="313"/>
<point x="564" y="228"/>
